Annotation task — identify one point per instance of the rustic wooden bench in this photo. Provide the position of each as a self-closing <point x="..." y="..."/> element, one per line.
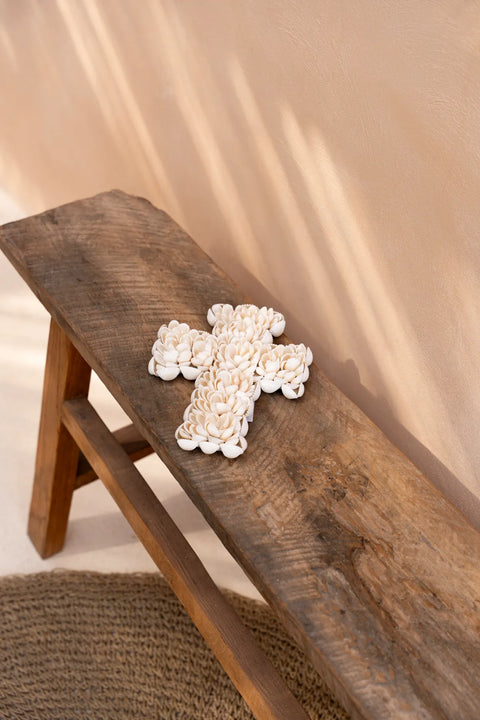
<point x="370" y="569"/>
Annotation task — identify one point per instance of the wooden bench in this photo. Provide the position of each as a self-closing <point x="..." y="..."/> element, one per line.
<point x="368" y="566"/>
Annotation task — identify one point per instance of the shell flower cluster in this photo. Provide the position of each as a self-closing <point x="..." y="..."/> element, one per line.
<point x="231" y="366"/>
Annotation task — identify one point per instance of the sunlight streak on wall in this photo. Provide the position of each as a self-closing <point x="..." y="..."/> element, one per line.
<point x="7" y="45"/>
<point x="275" y="176"/>
<point x="114" y="95"/>
<point x="196" y="120"/>
<point x="138" y="128"/>
<point x="362" y="280"/>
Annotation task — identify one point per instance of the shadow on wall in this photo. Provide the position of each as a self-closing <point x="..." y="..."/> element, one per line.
<point x="274" y="156"/>
<point x="347" y="377"/>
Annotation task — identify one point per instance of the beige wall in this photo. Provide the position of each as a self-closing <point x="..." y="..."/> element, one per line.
<point x="327" y="154"/>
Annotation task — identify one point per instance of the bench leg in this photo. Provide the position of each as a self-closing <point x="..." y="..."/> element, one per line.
<point x="67" y="376"/>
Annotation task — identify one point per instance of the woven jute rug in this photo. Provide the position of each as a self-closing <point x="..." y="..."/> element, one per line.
<point x="93" y="646"/>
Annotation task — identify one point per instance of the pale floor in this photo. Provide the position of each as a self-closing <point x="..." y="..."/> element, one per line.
<point x="98" y="537"/>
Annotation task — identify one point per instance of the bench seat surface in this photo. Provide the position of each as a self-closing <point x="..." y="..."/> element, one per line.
<point x="373" y="572"/>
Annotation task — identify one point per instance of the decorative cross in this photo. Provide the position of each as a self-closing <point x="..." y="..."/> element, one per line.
<point x="230" y="366"/>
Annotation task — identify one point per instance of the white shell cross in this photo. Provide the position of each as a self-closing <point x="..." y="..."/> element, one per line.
<point x="230" y="366"/>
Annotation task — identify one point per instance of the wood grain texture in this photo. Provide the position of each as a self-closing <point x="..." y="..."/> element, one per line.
<point x="251" y="672"/>
<point x="67" y="375"/>
<point x="371" y="569"/>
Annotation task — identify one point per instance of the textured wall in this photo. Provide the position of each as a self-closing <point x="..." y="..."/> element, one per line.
<point x="325" y="153"/>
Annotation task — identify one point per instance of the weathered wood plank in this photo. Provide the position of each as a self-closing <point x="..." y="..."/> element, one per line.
<point x="66" y="376"/>
<point x="371" y="569"/>
<point x="249" y="669"/>
<point x="131" y="441"/>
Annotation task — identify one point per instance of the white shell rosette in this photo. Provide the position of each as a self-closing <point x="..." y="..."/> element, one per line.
<point x="285" y="367"/>
<point x="246" y="321"/>
<point x="233" y="382"/>
<point x="180" y="349"/>
<point x="238" y="355"/>
<point x="211" y="431"/>
<point x="230" y="366"/>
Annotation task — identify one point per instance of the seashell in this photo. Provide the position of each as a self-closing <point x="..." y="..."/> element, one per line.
<point x="266" y="316"/>
<point x="270" y="386"/>
<point x="278" y="327"/>
<point x="294" y="364"/>
<point x="238" y="404"/>
<point x="189" y="372"/>
<point x="267" y="338"/>
<point x="207" y="378"/>
<point x="209" y="447"/>
<point x="170" y="356"/>
<point x="307" y="353"/>
<point x="245" y="382"/>
<point x="242" y="355"/>
<point x="222" y="427"/>
<point x="220" y="312"/>
<point x="271" y="365"/>
<point x="167" y="373"/>
<point x="239" y="329"/>
<point x="173" y="327"/>
<point x="269" y="361"/>
<point x="229" y="381"/>
<point x="186" y="444"/>
<point x="171" y="347"/>
<point x="231" y="450"/>
<point x="245" y="321"/>
<point x="291" y="392"/>
<point x="184" y="440"/>
<point x="179" y="345"/>
<point x="194" y="425"/>
<point x="184" y="352"/>
<point x="204" y="349"/>
<point x="221" y="400"/>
